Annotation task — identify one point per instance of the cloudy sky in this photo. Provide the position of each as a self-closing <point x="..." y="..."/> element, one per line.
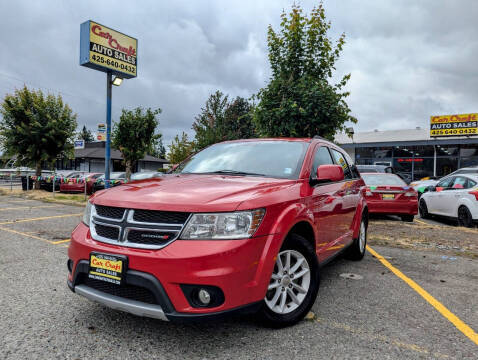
<point x="408" y="59"/>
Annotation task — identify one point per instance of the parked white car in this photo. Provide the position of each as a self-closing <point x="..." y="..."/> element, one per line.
<point x="455" y="196"/>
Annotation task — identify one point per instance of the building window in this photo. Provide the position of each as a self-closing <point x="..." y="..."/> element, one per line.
<point x="468" y="150"/>
<point x="446" y="165"/>
<point x="423" y="150"/>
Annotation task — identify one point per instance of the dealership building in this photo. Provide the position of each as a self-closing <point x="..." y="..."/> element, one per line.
<point x="413" y="153"/>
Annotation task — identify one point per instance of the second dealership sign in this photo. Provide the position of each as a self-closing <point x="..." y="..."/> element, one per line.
<point x="454" y="125"/>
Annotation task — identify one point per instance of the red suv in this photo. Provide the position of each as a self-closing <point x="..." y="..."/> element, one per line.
<point x="241" y="226"/>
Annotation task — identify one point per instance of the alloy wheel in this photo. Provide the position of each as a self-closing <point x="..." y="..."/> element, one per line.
<point x="290" y="282"/>
<point x="362" y="237"/>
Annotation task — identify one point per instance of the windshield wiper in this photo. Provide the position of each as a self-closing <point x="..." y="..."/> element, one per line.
<point x="233" y="172"/>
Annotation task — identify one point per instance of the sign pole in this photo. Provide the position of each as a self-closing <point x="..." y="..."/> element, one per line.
<point x="109" y="82"/>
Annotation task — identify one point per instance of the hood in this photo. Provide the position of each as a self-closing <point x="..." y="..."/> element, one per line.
<point x="190" y="193"/>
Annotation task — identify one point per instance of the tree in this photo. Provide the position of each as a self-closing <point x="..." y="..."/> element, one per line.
<point x="36" y="128"/>
<point x="158" y="149"/>
<point x="238" y="120"/>
<point x="86" y="135"/>
<point x="135" y="134"/>
<point x="222" y="120"/>
<point x="299" y="101"/>
<point x="209" y="124"/>
<point x="180" y="149"/>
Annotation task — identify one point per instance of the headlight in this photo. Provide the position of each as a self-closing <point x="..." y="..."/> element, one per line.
<point x="236" y="225"/>
<point x="87" y="214"/>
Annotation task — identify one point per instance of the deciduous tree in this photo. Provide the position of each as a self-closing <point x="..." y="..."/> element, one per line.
<point x="135" y="134"/>
<point x="180" y="149"/>
<point x="36" y="128"/>
<point x="299" y="100"/>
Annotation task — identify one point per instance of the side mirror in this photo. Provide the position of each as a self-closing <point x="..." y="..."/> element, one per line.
<point x="329" y="173"/>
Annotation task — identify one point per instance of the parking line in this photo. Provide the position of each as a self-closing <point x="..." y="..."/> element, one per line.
<point x="421" y="222"/>
<point x="25" y="234"/>
<point x="460" y="325"/>
<point x="40" y="218"/>
<point x="60" y="242"/>
<point x="28" y="207"/>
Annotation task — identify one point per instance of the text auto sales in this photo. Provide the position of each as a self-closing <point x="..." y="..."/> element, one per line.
<point x="454" y="125"/>
<point x="100" y="49"/>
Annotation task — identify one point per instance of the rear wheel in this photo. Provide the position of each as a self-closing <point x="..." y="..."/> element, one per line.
<point x="423" y="209"/>
<point x="293" y="285"/>
<point x="356" y="251"/>
<point x="464" y="217"/>
<point x="407" y="218"/>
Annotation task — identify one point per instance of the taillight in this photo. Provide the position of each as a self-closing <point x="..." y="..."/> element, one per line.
<point x="368" y="192"/>
<point x="474" y="192"/>
<point x="410" y="193"/>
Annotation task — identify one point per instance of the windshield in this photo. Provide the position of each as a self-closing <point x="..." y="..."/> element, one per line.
<point x="279" y="159"/>
<point x="387" y="180"/>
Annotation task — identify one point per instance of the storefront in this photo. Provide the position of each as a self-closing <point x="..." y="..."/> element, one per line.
<point x="413" y="153"/>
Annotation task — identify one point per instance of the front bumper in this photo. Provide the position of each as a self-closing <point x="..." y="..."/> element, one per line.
<point x="240" y="268"/>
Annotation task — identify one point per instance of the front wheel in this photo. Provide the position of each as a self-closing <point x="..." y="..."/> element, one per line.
<point x="423" y="209"/>
<point x="464" y="217"/>
<point x="293" y="285"/>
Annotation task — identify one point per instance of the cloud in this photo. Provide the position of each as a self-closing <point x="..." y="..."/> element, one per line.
<point x="408" y="59"/>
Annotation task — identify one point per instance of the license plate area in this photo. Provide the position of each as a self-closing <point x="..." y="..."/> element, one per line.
<point x="107" y="267"/>
<point x="388" y="196"/>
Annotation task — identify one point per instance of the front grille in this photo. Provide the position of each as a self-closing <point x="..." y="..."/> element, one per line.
<point x="126" y="291"/>
<point x="110" y="212"/>
<point x="150" y="237"/>
<point x="108" y="232"/>
<point x="162" y="217"/>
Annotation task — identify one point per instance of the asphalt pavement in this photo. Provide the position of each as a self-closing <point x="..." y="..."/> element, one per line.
<point x="373" y="314"/>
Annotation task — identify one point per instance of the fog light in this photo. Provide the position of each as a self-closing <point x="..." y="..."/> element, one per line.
<point x="204" y="297"/>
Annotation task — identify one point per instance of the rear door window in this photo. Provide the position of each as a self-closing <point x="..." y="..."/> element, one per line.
<point x="340" y="160"/>
<point x="460" y="183"/>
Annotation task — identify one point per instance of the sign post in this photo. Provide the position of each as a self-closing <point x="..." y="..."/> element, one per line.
<point x="109" y="83"/>
<point x="110" y="51"/>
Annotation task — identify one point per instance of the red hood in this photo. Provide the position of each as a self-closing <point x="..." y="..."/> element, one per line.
<point x="191" y="193"/>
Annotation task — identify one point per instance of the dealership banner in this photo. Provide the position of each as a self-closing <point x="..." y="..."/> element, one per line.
<point x="454" y="125"/>
<point x="107" y="50"/>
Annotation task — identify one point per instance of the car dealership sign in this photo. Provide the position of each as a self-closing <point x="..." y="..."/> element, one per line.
<point x="454" y="125"/>
<point x="108" y="50"/>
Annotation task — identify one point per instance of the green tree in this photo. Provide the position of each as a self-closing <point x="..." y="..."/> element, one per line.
<point x="158" y="149"/>
<point x="299" y="101"/>
<point x="180" y="149"/>
<point x="135" y="134"/>
<point x="36" y="128"/>
<point x="209" y="124"/>
<point x="86" y="135"/>
<point x="222" y="120"/>
<point x="238" y="122"/>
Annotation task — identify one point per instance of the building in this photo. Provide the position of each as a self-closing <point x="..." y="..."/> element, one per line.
<point x="413" y="153"/>
<point x="92" y="159"/>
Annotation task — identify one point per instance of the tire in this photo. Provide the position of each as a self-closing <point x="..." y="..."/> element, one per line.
<point x="356" y="251"/>
<point x="407" y="218"/>
<point x="276" y="312"/>
<point x="464" y="217"/>
<point x="423" y="209"/>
